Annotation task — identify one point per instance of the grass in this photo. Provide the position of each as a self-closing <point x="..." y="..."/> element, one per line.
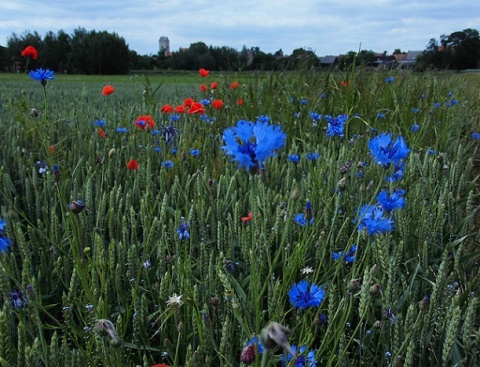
<point x="410" y="297"/>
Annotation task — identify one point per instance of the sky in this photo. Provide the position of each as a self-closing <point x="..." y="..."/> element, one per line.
<point x="326" y="27"/>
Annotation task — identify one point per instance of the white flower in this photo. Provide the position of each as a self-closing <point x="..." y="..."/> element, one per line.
<point x="307" y="270"/>
<point x="174" y="301"/>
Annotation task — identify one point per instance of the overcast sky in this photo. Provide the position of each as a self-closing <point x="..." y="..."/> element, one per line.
<point x="327" y="27"/>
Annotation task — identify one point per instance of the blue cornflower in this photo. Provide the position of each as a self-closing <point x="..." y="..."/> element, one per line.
<point x="302" y="359"/>
<point x="371" y="219"/>
<point x="122" y="130"/>
<point x="304" y="295"/>
<point x="182" y="231"/>
<point x="437" y="105"/>
<point x="167" y="164"/>
<point x="303" y="101"/>
<point x="5" y="242"/>
<point x="336" y="125"/>
<point x="42" y="168"/>
<point x="169" y="132"/>
<point x="386" y="151"/>
<point x="415" y="110"/>
<point x="42" y="75"/>
<point x="205" y="118"/>
<point x="475" y="136"/>
<point x="205" y="102"/>
<point x="415" y="128"/>
<point x="155" y="132"/>
<point x="395" y="201"/>
<point x="302" y="220"/>
<point x="431" y="151"/>
<point x="323" y="95"/>
<point x="263" y="118"/>
<point x="17" y="299"/>
<point x="389" y="79"/>
<point x="313" y="156"/>
<point x="157" y="149"/>
<point x="251" y="144"/>
<point x="174" y="118"/>
<point x="194" y="152"/>
<point x="315" y="117"/>
<point x="380" y="115"/>
<point x="398" y="172"/>
<point x="349" y="256"/>
<point x="100" y="123"/>
<point x="294" y="158"/>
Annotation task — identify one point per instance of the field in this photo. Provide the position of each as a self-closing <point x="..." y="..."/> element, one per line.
<point x="297" y="219"/>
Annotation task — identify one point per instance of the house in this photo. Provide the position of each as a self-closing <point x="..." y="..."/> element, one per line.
<point x="410" y="59"/>
<point x="328" y="61"/>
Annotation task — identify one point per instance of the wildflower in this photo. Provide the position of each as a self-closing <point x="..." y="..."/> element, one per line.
<point x="30" y="51"/>
<point x="42" y="168"/>
<point x="203" y="72"/>
<point x="344" y="83"/>
<point x="52" y="149"/>
<point x="475" y="136"/>
<point x="56" y="172"/>
<point x="302" y="359"/>
<point x="105" y="328"/>
<point x="390" y="316"/>
<point x="167" y="108"/>
<point x="169" y="132"/>
<point x="174" y="301"/>
<point x="107" y="90"/>
<point x="240" y="102"/>
<point x="167" y="164"/>
<point x="194" y="152"/>
<point x="249" y="352"/>
<point x="42" y="75"/>
<point x="161" y="365"/>
<point x="217" y="104"/>
<point x="234" y="85"/>
<point x="437" y="105"/>
<point x="100" y="123"/>
<point x="431" y="151"/>
<point x="102" y="133"/>
<point x="386" y="151"/>
<point x="307" y="270"/>
<point x="196" y="108"/>
<point x="300" y="219"/>
<point x="371" y="219"/>
<point x="380" y="115"/>
<point x="349" y="256"/>
<point x="205" y="102"/>
<point x="214" y="85"/>
<point x="336" y="125"/>
<point x="316" y="117"/>
<point x="187" y="102"/>
<point x="308" y="211"/>
<point x="144" y="121"/>
<point x="180" y="109"/>
<point x="276" y="335"/>
<point x="76" y="206"/>
<point x="182" y="231"/>
<point x="5" y="242"/>
<point x="122" y="130"/>
<point x="415" y="128"/>
<point x="203" y="87"/>
<point x="17" y="299"/>
<point x="295" y="158"/>
<point x="304" y="295"/>
<point x="395" y="201"/>
<point x="313" y="156"/>
<point x="248" y="218"/>
<point x="389" y="79"/>
<point x="303" y="102"/>
<point x="132" y="164"/>
<point x="398" y="171"/>
<point x="415" y="110"/>
<point x="34" y="112"/>
<point x="251" y="144"/>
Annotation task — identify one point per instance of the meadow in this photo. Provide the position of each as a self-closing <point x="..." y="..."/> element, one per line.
<point x="298" y="219"/>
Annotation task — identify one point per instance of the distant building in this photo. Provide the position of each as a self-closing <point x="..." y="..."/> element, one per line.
<point x="410" y="59"/>
<point x="328" y="61"/>
<point x="164" y="45"/>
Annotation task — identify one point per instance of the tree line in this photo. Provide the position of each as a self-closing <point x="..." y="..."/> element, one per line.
<point x="93" y="52"/>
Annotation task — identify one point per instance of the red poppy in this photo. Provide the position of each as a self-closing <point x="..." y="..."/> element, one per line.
<point x="180" y="109"/>
<point x="107" y="90"/>
<point x="217" y="104"/>
<point x="344" y="84"/>
<point x="214" y="85"/>
<point x="30" y="51"/>
<point x="203" y="72"/>
<point x="167" y="109"/>
<point x="161" y="365"/>
<point x="187" y="102"/>
<point x="102" y="133"/>
<point x="143" y="121"/>
<point x="52" y="149"/>
<point x="203" y="87"/>
<point x="240" y="102"/>
<point x="234" y="85"/>
<point x="196" y="107"/>
<point x="132" y="165"/>
<point x="247" y="218"/>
